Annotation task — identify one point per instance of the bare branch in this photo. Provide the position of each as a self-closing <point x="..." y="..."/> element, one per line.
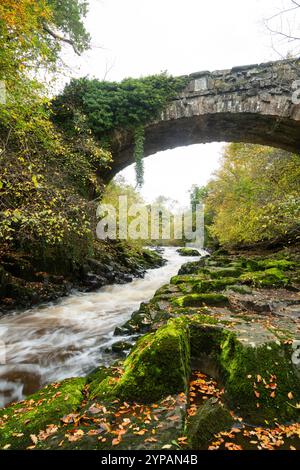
<point x="283" y="12"/>
<point x="60" y="38"/>
<point x="280" y="33"/>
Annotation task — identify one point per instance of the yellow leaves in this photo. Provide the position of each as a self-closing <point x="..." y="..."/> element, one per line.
<point x="35" y="181"/>
<point x="290" y="396"/>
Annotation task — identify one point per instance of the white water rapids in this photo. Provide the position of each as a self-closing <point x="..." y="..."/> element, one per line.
<point x="68" y="338"/>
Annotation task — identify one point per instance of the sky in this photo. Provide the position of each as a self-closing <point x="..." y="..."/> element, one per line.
<point x="141" y="37"/>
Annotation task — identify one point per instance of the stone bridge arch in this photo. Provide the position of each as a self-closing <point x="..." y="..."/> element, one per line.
<point x="251" y="104"/>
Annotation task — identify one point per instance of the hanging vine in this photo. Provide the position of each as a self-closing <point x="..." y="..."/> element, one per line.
<point x="139" y="140"/>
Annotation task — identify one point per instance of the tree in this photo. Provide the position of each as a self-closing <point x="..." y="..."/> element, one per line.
<point x="255" y="195"/>
<point x="67" y="18"/>
<point x="285" y="25"/>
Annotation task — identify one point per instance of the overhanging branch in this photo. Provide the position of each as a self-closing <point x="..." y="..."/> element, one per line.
<point x="60" y="38"/>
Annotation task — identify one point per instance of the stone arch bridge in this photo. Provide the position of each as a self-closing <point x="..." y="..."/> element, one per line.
<point x="252" y="104"/>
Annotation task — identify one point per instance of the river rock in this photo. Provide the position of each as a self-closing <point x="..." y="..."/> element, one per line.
<point x="211" y="418"/>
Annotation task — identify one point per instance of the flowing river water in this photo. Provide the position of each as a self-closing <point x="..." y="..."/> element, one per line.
<point x="70" y="337"/>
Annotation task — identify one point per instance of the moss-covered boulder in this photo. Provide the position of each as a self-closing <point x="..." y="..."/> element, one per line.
<point x="158" y="366"/>
<point x="212" y="285"/>
<point x="20" y="424"/>
<point x="188" y="278"/>
<point x="211" y="418"/>
<point x="273" y="277"/>
<point x="192" y="267"/>
<point x="261" y="380"/>
<point x="222" y="272"/>
<point x="188" y="252"/>
<point x="201" y="300"/>
<point x="257" y="371"/>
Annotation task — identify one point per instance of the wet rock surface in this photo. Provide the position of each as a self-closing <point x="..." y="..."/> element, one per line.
<point x="22" y="285"/>
<point x="208" y="374"/>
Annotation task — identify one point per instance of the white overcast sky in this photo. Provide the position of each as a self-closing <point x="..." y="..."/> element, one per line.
<point x="141" y="37"/>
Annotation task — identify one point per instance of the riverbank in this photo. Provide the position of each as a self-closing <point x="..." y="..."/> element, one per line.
<point x="24" y="281"/>
<point x="214" y="368"/>
<point x="73" y="335"/>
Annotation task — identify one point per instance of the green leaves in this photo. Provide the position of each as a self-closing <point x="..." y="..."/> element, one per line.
<point x="255" y="195"/>
<point x="107" y="107"/>
<point x="35" y="181"/>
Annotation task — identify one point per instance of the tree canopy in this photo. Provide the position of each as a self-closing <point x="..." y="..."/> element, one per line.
<point x="255" y="195"/>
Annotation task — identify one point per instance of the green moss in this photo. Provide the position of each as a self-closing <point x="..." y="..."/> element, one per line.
<point x="98" y="381"/>
<point x="192" y="267"/>
<point x="188" y="252"/>
<point x="240" y="289"/>
<point x="242" y="365"/>
<point x="213" y="285"/>
<point x="266" y="263"/>
<point x="158" y="366"/>
<point x="219" y="260"/>
<point x="192" y="278"/>
<point x="206" y="337"/>
<point x="272" y="277"/>
<point x="200" y="300"/>
<point x="213" y="417"/>
<point x="45" y="407"/>
<point x="218" y="273"/>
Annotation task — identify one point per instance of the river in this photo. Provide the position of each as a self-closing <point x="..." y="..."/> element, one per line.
<point x="70" y="337"/>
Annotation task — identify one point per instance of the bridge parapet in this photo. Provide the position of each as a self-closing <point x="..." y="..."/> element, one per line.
<point x="263" y="88"/>
<point x="277" y="77"/>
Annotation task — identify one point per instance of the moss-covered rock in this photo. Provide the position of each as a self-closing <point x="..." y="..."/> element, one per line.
<point x="260" y="379"/>
<point x="188" y="278"/>
<point x="159" y="365"/>
<point x="25" y="419"/>
<point x="121" y="347"/>
<point x="188" y="252"/>
<point x="200" y="300"/>
<point x="256" y="369"/>
<point x="213" y="285"/>
<point x="266" y="263"/>
<point x="222" y="272"/>
<point x="192" y="267"/>
<point x="272" y="277"/>
<point x="244" y="290"/>
<point x="211" y="418"/>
